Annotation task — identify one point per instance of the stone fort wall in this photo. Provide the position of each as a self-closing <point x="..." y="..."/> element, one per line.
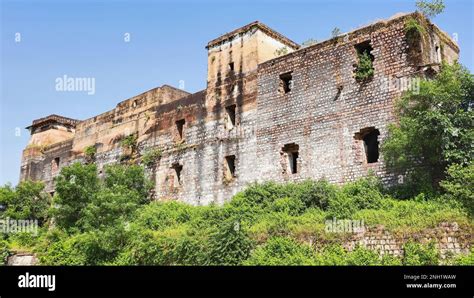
<point x="263" y="116"/>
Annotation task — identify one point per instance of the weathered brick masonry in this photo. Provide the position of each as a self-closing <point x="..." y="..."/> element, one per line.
<point x="263" y="116"/>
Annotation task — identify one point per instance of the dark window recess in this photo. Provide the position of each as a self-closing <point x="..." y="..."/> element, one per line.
<point x="439" y="57"/>
<point x="286" y="82"/>
<point x="293" y="158"/>
<point x="365" y="47"/>
<point x="292" y="152"/>
<point x="178" y="169"/>
<point x="231" y="66"/>
<point x="230" y="110"/>
<point x="56" y="162"/>
<point x="230" y="162"/>
<point x="371" y="144"/>
<point x="180" y="128"/>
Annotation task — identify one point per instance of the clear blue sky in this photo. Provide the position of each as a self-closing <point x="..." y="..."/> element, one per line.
<point x="85" y="39"/>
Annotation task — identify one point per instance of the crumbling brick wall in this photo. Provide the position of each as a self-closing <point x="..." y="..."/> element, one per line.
<point x="261" y="117"/>
<point x="328" y="111"/>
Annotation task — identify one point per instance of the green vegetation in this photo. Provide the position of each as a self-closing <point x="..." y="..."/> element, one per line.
<point x="430" y="8"/>
<point x="416" y="254"/>
<point x="459" y="185"/>
<point x="336" y="32"/>
<point x="365" y="68"/>
<point x="413" y="29"/>
<point x="281" y="51"/>
<point x="129" y="141"/>
<point x="111" y="221"/>
<point x="150" y="157"/>
<point x="26" y="201"/>
<point x="4" y="252"/>
<point x="435" y="132"/>
<point x="309" y="42"/>
<point x="90" y="152"/>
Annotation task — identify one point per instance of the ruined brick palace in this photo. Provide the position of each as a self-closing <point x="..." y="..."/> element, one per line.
<point x="272" y="110"/>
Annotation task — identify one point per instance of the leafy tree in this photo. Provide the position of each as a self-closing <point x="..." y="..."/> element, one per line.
<point x="128" y="176"/>
<point x="430" y="8"/>
<point x="26" y="201"/>
<point x="435" y="128"/>
<point x="76" y="186"/>
<point x="110" y="206"/>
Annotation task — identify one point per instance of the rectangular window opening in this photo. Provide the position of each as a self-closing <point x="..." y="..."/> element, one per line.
<point x="365" y="47"/>
<point x="55" y="165"/>
<point x="230" y="121"/>
<point x="286" y="82"/>
<point x="293" y="159"/>
<point x="180" y="128"/>
<point x="231" y="66"/>
<point x="369" y="136"/>
<point x="292" y="155"/>
<point x="177" y="171"/>
<point x="364" y="69"/>
<point x="56" y="162"/>
<point x="230" y="166"/>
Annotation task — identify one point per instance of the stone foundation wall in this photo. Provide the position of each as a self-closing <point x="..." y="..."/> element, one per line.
<point x="448" y="237"/>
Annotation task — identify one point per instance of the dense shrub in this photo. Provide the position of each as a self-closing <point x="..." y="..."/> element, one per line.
<point x="332" y="255"/>
<point x="289" y="206"/>
<point x="313" y="193"/>
<point x="365" y="193"/>
<point x="159" y="215"/>
<point x="459" y="185"/>
<point x="341" y="206"/>
<point x="416" y="254"/>
<point x="413" y="215"/>
<point x="282" y="251"/>
<point x="464" y="259"/>
<point x="64" y="252"/>
<point x="229" y="244"/>
<point x="361" y="256"/>
<point x="265" y="224"/>
<point x="148" y="248"/>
